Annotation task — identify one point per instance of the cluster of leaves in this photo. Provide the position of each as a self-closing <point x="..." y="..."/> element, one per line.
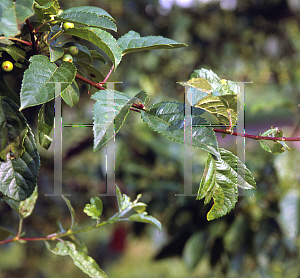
<point x="37" y="53"/>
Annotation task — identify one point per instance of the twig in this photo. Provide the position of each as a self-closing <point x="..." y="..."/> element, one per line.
<point x="33" y="41"/>
<point x="22" y="41"/>
<point x="256" y="137"/>
<point x="92" y="83"/>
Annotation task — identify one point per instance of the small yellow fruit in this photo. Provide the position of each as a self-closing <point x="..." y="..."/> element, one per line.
<point x="7" y="66"/>
<point x="68" y="25"/>
<point x="67" y="58"/>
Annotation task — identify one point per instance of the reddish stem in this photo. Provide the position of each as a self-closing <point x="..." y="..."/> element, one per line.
<point x="256" y="137"/>
<point x="107" y="76"/>
<point x="92" y="83"/>
<point x="25" y="238"/>
<point x="22" y="41"/>
<point x="33" y="41"/>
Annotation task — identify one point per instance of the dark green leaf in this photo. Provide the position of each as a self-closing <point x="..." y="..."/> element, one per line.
<point x="45" y="124"/>
<point x="81" y="260"/>
<point x="220" y="180"/>
<point x="100" y="38"/>
<point x="13" y="130"/>
<point x="97" y="56"/>
<point x="88" y="9"/>
<point x="71" y="94"/>
<point x="118" y="112"/>
<point x="91" y="71"/>
<point x="167" y="118"/>
<point x="18" y="177"/>
<point x="39" y="80"/>
<point x="16" y="52"/>
<point x="55" y="53"/>
<point x="132" y="42"/>
<point x="88" y="16"/>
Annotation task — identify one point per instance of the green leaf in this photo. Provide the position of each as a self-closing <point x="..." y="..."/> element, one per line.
<point x="88" y="16"/>
<point x="18" y="177"/>
<point x="122" y="199"/>
<point x="199" y="89"/>
<point x="91" y="71"/>
<point x="13" y="130"/>
<point x="97" y="56"/>
<point x="132" y="42"/>
<point x="43" y="8"/>
<point x="39" y="80"/>
<point x="121" y="105"/>
<point x="24" y="208"/>
<point x="81" y="260"/>
<point x="139" y="207"/>
<point x="223" y="108"/>
<point x="218" y="86"/>
<point x="279" y="146"/>
<point x="145" y="218"/>
<point x="167" y="118"/>
<point x="45" y="124"/>
<point x="4" y="233"/>
<point x="265" y="147"/>
<point x="220" y="180"/>
<point x="16" y="52"/>
<point x="55" y="53"/>
<point x="100" y="38"/>
<point x="72" y="212"/>
<point x="71" y="94"/>
<point x="12" y="14"/>
<point x="94" y="209"/>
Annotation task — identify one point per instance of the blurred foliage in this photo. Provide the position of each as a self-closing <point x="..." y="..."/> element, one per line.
<point x="256" y="41"/>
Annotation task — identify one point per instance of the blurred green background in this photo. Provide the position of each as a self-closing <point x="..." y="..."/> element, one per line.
<point x="240" y="40"/>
